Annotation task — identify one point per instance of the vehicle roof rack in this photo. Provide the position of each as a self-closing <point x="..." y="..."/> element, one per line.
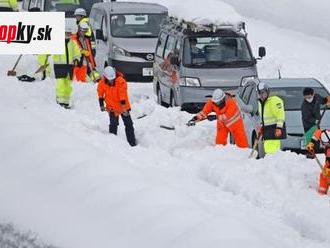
<point x="196" y="25"/>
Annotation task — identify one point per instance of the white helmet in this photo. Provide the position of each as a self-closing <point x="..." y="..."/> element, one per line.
<point x="109" y="73"/>
<point x="83" y="26"/>
<point x="218" y="95"/>
<point x="80" y="12"/>
<point x="263" y="86"/>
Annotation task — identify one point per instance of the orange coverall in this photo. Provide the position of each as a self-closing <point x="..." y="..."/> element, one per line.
<point x="324" y="181"/>
<point x="228" y="120"/>
<point x="80" y="72"/>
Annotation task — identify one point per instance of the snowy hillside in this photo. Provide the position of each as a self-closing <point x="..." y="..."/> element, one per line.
<point x="63" y="177"/>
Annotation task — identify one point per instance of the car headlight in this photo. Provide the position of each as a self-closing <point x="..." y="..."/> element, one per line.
<point x="120" y="51"/>
<point x="190" y="82"/>
<point x="245" y="80"/>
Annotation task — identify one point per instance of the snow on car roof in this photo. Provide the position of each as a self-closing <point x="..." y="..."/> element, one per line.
<point x="132" y="7"/>
<point x="292" y="82"/>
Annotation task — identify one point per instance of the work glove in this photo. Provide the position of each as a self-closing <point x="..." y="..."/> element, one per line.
<point x="211" y="117"/>
<point x="326" y="172"/>
<point x="192" y="122"/>
<point x="278" y="132"/>
<point x="310" y="148"/>
<point x="86" y="53"/>
<point x="328" y="100"/>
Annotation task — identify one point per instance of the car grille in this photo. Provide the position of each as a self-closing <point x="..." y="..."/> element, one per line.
<point x="146" y="56"/>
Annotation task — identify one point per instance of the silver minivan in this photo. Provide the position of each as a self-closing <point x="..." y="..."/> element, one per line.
<point x="126" y="36"/>
<point x="290" y="90"/>
<point x="60" y="6"/>
<point x="192" y="60"/>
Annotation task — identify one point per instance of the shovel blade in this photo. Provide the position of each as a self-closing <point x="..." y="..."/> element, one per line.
<point x="11" y="73"/>
<point x="254" y="154"/>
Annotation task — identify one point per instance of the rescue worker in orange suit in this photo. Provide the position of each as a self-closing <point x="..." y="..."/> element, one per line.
<point x="86" y="70"/>
<point x="112" y="89"/>
<point x="229" y="118"/>
<point x="321" y="141"/>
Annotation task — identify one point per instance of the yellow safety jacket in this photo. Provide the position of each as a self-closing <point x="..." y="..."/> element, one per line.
<point x="272" y="112"/>
<point x="63" y="63"/>
<point x="9" y="4"/>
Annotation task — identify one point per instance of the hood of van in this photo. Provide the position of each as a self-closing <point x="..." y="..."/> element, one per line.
<point x="136" y="45"/>
<point x="220" y="77"/>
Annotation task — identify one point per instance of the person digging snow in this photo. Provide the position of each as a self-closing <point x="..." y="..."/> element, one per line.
<point x="321" y="141"/>
<point x="229" y="118"/>
<point x="112" y="89"/>
<point x="310" y="111"/>
<point x="272" y="116"/>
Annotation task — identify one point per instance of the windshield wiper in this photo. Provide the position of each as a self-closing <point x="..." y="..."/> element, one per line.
<point x="238" y="62"/>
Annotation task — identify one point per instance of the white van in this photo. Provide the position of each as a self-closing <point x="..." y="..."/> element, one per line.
<point x="67" y="6"/>
<point x="126" y="36"/>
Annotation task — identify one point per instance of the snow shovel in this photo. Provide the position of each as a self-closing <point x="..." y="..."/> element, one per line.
<point x="310" y="132"/>
<point x="12" y="73"/>
<point x="41" y="69"/>
<point x="254" y="153"/>
<point x="188" y="124"/>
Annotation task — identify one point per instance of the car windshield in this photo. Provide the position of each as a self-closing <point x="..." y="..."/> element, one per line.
<point x="293" y="97"/>
<point x="69" y="6"/>
<point x="217" y="52"/>
<point x="136" y="25"/>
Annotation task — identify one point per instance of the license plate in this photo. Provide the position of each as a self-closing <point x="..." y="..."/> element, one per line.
<point x="147" y="72"/>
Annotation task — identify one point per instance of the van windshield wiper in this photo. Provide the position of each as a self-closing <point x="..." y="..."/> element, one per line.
<point x="239" y="62"/>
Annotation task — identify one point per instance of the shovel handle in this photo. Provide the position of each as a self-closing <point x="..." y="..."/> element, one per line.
<point x="17" y="61"/>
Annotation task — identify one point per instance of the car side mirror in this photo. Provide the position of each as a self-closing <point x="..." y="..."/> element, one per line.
<point x="262" y="52"/>
<point x="174" y="60"/>
<point x="99" y="35"/>
<point x="35" y="9"/>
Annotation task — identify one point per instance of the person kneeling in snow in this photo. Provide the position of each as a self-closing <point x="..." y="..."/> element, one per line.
<point x="112" y="89"/>
<point x="228" y="118"/>
<point x="321" y="141"/>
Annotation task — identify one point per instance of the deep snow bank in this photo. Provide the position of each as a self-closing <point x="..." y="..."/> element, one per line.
<point x="64" y="177"/>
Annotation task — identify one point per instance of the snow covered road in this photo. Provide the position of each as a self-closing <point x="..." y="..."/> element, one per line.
<point x="65" y="178"/>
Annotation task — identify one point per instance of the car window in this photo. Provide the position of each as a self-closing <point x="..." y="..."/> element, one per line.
<point x="35" y="4"/>
<point x="169" y="48"/>
<point x="247" y="93"/>
<point x="98" y="20"/>
<point x="293" y="96"/>
<point x="25" y="4"/>
<point x="161" y="45"/>
<point x="92" y="16"/>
